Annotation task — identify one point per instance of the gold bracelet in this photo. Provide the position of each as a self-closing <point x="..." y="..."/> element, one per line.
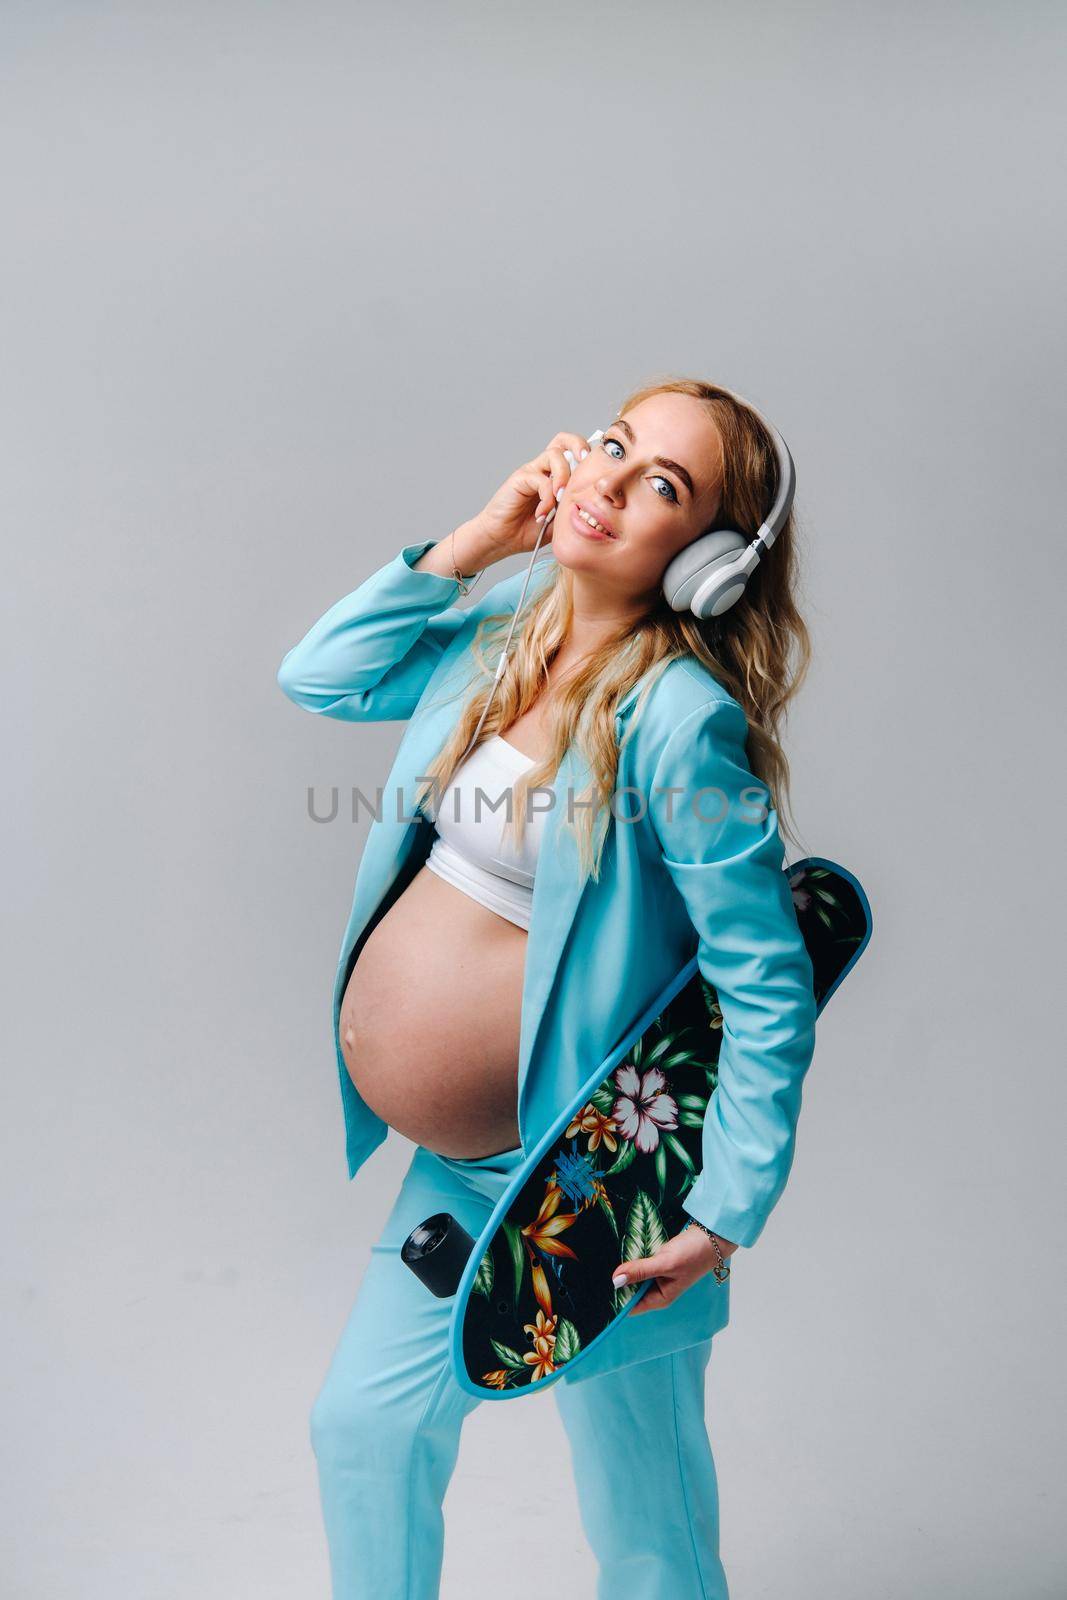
<point x="720" y="1269"/>
<point x="464" y="587"/>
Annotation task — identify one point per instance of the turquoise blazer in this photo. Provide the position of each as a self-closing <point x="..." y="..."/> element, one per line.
<point x="689" y="875"/>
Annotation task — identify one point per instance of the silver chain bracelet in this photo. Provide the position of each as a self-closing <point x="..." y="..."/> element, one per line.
<point x="720" y="1269"/>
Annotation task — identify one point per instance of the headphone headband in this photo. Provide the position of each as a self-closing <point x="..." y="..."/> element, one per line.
<point x="787" y="483"/>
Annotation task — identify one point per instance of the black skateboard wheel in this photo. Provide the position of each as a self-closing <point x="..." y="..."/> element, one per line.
<point x="437" y="1251"/>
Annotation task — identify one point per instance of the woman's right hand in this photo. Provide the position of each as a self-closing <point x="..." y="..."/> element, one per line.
<point x="510" y="523"/>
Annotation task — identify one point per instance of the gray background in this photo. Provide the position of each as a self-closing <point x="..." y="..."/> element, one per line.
<point x="286" y="287"/>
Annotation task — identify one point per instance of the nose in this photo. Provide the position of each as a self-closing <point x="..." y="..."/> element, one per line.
<point x="609" y="485"/>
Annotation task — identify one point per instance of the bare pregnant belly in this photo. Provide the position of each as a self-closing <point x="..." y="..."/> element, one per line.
<point x="429" y="1022"/>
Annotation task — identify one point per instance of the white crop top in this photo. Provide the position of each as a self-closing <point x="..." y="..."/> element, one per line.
<point x="469" y="848"/>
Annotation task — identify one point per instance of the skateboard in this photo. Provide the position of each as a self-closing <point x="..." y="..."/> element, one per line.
<point x="533" y="1293"/>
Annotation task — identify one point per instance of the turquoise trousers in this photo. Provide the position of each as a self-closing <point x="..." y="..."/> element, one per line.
<point x="385" y="1429"/>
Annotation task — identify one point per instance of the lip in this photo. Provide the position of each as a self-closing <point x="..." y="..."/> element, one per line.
<point x="583" y="527"/>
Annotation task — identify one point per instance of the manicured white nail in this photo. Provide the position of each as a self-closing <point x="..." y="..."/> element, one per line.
<point x="619" y="1279"/>
<point x="559" y="494"/>
<point x="582" y="455"/>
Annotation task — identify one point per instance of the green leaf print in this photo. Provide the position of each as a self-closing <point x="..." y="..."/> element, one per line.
<point x="483" y="1278"/>
<point x="518" y="1255"/>
<point x="651" y="1057"/>
<point x="683" y="1058"/>
<point x="567" y="1343"/>
<point x="645" y="1232"/>
<point x="680" y="1153"/>
<point x="609" y="1211"/>
<point x="644" y="1235"/>
<point x="622" y="1160"/>
<point x="509" y="1357"/>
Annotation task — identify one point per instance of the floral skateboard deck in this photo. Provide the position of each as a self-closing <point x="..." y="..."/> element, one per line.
<point x="607" y="1183"/>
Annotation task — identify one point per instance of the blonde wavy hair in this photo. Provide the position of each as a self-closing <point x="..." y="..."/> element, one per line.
<point x="759" y="650"/>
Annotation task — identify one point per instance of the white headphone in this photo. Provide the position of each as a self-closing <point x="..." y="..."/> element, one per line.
<point x="709" y="575"/>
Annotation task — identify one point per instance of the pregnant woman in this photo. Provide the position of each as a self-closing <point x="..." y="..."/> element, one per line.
<point x="519" y="904"/>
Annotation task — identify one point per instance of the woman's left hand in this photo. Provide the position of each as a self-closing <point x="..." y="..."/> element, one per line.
<point x="675" y="1266"/>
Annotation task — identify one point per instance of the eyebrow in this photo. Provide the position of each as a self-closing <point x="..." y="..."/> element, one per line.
<point x="660" y="461"/>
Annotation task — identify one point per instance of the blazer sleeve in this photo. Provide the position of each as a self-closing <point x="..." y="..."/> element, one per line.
<point x="371" y="655"/>
<point x="721" y="846"/>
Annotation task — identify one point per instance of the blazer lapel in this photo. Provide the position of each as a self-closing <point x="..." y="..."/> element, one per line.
<point x="557" y="893"/>
<point x="558" y="888"/>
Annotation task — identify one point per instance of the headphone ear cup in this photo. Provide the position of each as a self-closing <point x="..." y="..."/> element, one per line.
<point x="692" y="566"/>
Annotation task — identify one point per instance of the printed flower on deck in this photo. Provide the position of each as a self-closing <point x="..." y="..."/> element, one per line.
<point x="544" y="1344"/>
<point x="801" y="897"/>
<point x="543" y="1234"/>
<point x="590" y="1120"/>
<point x="643" y="1109"/>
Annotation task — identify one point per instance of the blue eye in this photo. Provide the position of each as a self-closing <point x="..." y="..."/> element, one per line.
<point x="610" y="439"/>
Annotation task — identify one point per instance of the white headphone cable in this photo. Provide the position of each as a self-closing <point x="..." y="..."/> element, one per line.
<point x="502" y="663"/>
